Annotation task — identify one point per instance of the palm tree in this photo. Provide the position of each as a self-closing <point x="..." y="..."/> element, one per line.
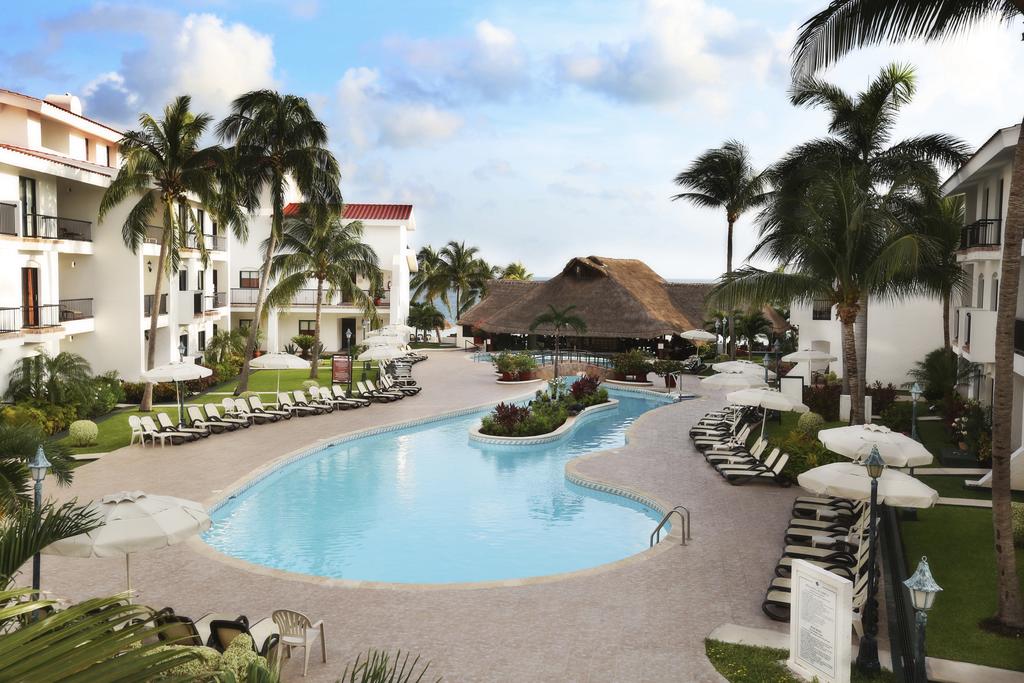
<point x="163" y="166"/>
<point x="18" y="444"/>
<point x="55" y="379"/>
<point x="860" y="137"/>
<point x="841" y="244"/>
<point x="423" y="315"/>
<point x="848" y="24"/>
<point x="428" y="280"/>
<point x="516" y="271"/>
<point x="463" y="272"/>
<point x="332" y="253"/>
<point x="277" y="138"/>
<point x="749" y="325"/>
<point x="559" y="320"/>
<point x="724" y="178"/>
<point x="224" y="344"/>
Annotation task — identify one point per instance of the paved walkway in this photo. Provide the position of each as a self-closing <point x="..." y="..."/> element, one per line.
<point x="642" y="620"/>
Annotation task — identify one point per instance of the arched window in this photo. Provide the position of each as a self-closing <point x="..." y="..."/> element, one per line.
<point x="994" y="298"/>
<point x="981" y="292"/>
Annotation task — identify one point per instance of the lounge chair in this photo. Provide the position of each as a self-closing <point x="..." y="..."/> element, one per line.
<point x="778" y="600"/>
<point x="767" y="461"/>
<point x="730" y="442"/>
<point x="256" y="405"/>
<point x="737" y="457"/>
<point x="323" y="395"/>
<point x="298" y="630"/>
<point x="286" y="402"/>
<point x="264" y="634"/>
<point x="354" y="402"/>
<point x="366" y="393"/>
<point x="389" y="392"/>
<point x="388" y="384"/>
<point x="150" y="429"/>
<point x="195" y="415"/>
<point x="303" y="400"/>
<point x="214" y="415"/>
<point x="176" y="629"/>
<point x="167" y="426"/>
<point x="766" y="472"/>
<point x="238" y="408"/>
<point x="135" y="424"/>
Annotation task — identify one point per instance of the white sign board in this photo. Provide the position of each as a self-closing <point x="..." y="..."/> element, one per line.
<point x="821" y="617"/>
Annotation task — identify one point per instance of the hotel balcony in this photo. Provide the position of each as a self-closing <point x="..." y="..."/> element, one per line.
<point x="208" y="304"/>
<point x="147" y="304"/>
<point x="65" y="234"/>
<point x="974" y="333"/>
<point x="216" y="245"/>
<point x="984" y="236"/>
<point x="304" y="297"/>
<point x="74" y="316"/>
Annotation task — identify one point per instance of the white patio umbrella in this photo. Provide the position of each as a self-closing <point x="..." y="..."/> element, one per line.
<point x="809" y="356"/>
<point x="279" y="361"/>
<point x="177" y="373"/>
<point x="855" y="442"/>
<point x="396" y="328"/>
<point x="766" y="399"/>
<point x="134" y="521"/>
<point x="383" y="340"/>
<point x="732" y="380"/>
<point x="383" y="352"/>
<point x="851" y="480"/>
<point x="744" y="366"/>
<point x="699" y="336"/>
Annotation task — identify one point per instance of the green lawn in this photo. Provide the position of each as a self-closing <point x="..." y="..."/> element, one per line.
<point x="749" y="664"/>
<point x="959" y="545"/>
<point x="779" y="429"/>
<point x="114" y="431"/>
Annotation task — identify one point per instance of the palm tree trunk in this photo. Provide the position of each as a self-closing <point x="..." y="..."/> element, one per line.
<point x="261" y="299"/>
<point x="314" y="362"/>
<point x="860" y="334"/>
<point x="437" y="331"/>
<point x="945" y="322"/>
<point x="556" y="363"/>
<point x="154" y="317"/>
<point x="1011" y="609"/>
<point x="848" y="317"/>
<point x="728" y="271"/>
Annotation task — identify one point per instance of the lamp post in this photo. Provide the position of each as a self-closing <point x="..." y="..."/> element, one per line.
<point x="765" y="362"/>
<point x="923" y="590"/>
<point x="38" y="466"/>
<point x="351" y="361"/>
<point x="915" y="393"/>
<point x="182" y="420"/>
<point x="867" y="655"/>
<point x="718" y="343"/>
<point x="348" y="337"/>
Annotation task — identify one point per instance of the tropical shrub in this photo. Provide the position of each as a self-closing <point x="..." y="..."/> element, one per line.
<point x="666" y="367"/>
<point x="974" y="429"/>
<point x="898" y="416"/>
<point x="634" y="362"/>
<point x="938" y="374"/>
<point x="48" y="417"/>
<point x="881" y="396"/>
<point x="1018" y="524"/>
<point x="514" y="366"/>
<point x="544" y="414"/>
<point x="380" y="667"/>
<point x="824" y="400"/>
<point x="304" y="342"/>
<point x="809" y="424"/>
<point x="585" y="386"/>
<point x="805" y="452"/>
<point x="83" y="433"/>
<point x="163" y="392"/>
<point x="205" y="662"/>
<point x="239" y="657"/>
<point x="308" y="384"/>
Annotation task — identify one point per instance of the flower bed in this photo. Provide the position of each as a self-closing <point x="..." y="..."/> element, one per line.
<point x="515" y="367"/>
<point x="546" y="412"/>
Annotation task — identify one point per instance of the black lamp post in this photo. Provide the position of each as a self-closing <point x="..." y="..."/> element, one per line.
<point x="923" y="590"/>
<point x="915" y="393"/>
<point x="38" y="466"/>
<point x="867" y="655"/>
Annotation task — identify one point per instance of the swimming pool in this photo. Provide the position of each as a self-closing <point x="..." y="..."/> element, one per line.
<point x="425" y="505"/>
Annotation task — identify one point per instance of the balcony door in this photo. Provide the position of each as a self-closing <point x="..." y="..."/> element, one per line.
<point x="30" y="296"/>
<point x="27" y="188"/>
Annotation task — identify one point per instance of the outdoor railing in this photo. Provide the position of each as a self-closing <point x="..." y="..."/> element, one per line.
<point x="56" y="228"/>
<point x="246" y="296"/>
<point x="1018" y="336"/>
<point x="987" y="232"/>
<point x="40" y="315"/>
<point x="821" y="310"/>
<point x="10" y="319"/>
<point x="75" y="309"/>
<point x="211" y="242"/>
<point x="147" y="304"/>
<point x="217" y="300"/>
<point x="8" y="218"/>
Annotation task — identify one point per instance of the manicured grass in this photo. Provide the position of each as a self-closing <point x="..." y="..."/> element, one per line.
<point x="952" y="486"/>
<point x="430" y="345"/>
<point x="749" y="664"/>
<point x="776" y="430"/>
<point x="932" y="434"/>
<point x="959" y="545"/>
<point x="114" y="431"/>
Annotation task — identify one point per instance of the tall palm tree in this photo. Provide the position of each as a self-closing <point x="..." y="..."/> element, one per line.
<point x="428" y="282"/>
<point x="860" y="136"/>
<point x="164" y="165"/>
<point x="840" y="244"/>
<point x="277" y="138"/>
<point x="848" y="24"/>
<point x="559" y="321"/>
<point x="516" y="271"/>
<point x="330" y="252"/>
<point x="423" y="315"/>
<point x="463" y="273"/>
<point x="724" y="178"/>
<point x="749" y="325"/>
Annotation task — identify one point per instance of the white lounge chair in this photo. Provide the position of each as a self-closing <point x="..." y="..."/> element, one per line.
<point x="387" y="392"/>
<point x="137" y="432"/>
<point x="257" y="407"/>
<point x="355" y="402"/>
<point x="373" y="395"/>
<point x="196" y="416"/>
<point x="388" y="384"/>
<point x="150" y="429"/>
<point x="167" y="426"/>
<point x="286" y="402"/>
<point x="239" y="408"/>
<point x="234" y="422"/>
<point x="303" y="400"/>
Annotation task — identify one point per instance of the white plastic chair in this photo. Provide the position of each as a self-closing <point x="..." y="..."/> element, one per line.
<point x="136" y="426"/>
<point x="298" y="631"/>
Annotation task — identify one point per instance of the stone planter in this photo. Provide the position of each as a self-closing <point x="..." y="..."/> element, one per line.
<point x="563" y="430"/>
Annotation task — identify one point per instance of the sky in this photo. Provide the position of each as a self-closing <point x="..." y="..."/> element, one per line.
<point x="535" y="130"/>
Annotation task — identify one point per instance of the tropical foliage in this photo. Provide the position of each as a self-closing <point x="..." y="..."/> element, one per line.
<point x="516" y="271"/>
<point x="455" y="275"/>
<point x="51" y="391"/>
<point x="939" y="373"/>
<point x="547" y="412"/>
<point x="381" y="667"/>
<point x="424" y="315"/>
<point x="559" y="321"/>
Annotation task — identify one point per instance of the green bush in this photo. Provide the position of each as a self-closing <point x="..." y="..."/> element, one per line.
<point x="882" y="396"/>
<point x="805" y="453"/>
<point x="308" y="384"/>
<point x="514" y="365"/>
<point x="898" y="416"/>
<point x="1018" y="524"/>
<point x="634" y="362"/>
<point x="824" y="400"/>
<point x="83" y="433"/>
<point x="809" y="424"/>
<point x="48" y="417"/>
<point x="379" y="667"/>
<point x="666" y="367"/>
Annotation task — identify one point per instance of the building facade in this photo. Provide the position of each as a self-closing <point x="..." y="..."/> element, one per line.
<point x="67" y="281"/>
<point x="984" y="183"/>
<point x="386" y="228"/>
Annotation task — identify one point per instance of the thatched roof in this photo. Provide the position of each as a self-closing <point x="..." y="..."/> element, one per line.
<point x="615" y="297"/>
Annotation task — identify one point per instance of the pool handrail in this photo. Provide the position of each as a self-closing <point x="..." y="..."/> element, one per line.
<point x="684" y="519"/>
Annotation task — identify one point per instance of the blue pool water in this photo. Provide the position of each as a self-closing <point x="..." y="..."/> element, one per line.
<point x="426" y="505"/>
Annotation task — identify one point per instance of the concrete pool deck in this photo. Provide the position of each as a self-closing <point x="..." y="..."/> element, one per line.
<point x="639" y="620"/>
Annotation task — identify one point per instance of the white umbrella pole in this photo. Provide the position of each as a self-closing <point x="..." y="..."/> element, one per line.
<point x="177" y="395"/>
<point x="128" y="573"/>
<point x="278" y="384"/>
<point x="764" y="421"/>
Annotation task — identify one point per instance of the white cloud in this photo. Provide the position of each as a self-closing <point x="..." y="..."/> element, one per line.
<point x="493" y="168"/>
<point x="587" y="167"/>
<point x="407" y="125"/>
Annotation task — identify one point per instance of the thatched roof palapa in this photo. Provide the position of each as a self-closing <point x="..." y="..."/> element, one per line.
<point x="617" y="298"/>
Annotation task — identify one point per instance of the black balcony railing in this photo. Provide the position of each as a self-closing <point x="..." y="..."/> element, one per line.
<point x="967" y="330"/>
<point x="10" y="319"/>
<point x="8" y="218"/>
<point x="1018" y="336"/>
<point x="216" y="242"/>
<point x="987" y="232"/>
<point x="40" y="315"/>
<point x="147" y="304"/>
<point x="56" y="228"/>
<point x="821" y="310"/>
<point x="75" y="309"/>
<point x="217" y="300"/>
<point x="244" y="296"/>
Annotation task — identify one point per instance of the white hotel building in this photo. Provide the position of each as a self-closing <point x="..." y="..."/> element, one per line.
<point x="68" y="282"/>
<point x="984" y="182"/>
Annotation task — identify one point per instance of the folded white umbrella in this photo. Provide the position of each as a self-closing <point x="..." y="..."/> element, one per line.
<point x="279" y="362"/>
<point x="383" y="340"/>
<point x="177" y="372"/>
<point x="134" y="521"/>
<point x="745" y="366"/>
<point x="381" y="353"/>
<point x="701" y="336"/>
<point x="809" y="356"/>
<point x="732" y="380"/>
<point x="855" y="442"/>
<point x="851" y="480"/>
<point x="397" y="328"/>
<point x="766" y="399"/>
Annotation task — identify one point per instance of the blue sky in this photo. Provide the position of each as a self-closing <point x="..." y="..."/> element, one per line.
<point x="536" y="130"/>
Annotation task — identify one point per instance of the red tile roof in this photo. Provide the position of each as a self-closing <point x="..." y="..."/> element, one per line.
<point x="63" y="160"/>
<point x="366" y="212"/>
